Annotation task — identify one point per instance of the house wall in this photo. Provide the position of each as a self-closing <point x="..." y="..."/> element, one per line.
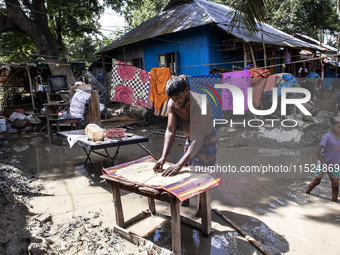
<point x="198" y="48"/>
<point x="129" y="52"/>
<point x="191" y="45"/>
<point x="218" y="54"/>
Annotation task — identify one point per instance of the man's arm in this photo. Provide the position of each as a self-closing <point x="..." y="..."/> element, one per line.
<point x="200" y="125"/>
<point x="169" y="137"/>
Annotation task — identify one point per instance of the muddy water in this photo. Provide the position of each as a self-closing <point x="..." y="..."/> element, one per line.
<point x="270" y="206"/>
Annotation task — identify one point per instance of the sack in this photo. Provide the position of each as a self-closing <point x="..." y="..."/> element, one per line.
<point x="94" y="132"/>
<point x="77" y="107"/>
<point x="18" y="120"/>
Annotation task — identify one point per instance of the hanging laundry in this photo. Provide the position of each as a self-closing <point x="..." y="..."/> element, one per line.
<point x="205" y="84"/>
<point x="163" y="111"/>
<point x="158" y="79"/>
<point x="270" y="83"/>
<point x="130" y="85"/>
<point x="241" y="79"/>
<point x="259" y="78"/>
<point x="288" y="57"/>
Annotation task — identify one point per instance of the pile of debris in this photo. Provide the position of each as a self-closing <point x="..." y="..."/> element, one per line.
<point x="83" y="234"/>
<point x="15" y="190"/>
<point x="19" y="122"/>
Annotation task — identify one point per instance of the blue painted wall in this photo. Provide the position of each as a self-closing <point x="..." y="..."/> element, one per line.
<point x="198" y="48"/>
<point x="190" y="44"/>
<point x="328" y="81"/>
<point x="218" y="53"/>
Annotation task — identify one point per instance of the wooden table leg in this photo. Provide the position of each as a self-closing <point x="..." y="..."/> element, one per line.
<point x="118" y="206"/>
<point x="206" y="213"/>
<point x="176" y="226"/>
<point x="152" y="205"/>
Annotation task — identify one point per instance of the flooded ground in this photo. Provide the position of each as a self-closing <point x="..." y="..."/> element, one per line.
<point x="271" y="207"/>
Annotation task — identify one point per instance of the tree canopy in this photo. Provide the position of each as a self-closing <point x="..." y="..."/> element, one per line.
<point x="49" y="24"/>
<point x="59" y="29"/>
<point x="311" y="17"/>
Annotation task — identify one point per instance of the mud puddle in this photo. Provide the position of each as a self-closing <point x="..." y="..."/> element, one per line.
<point x="270" y="206"/>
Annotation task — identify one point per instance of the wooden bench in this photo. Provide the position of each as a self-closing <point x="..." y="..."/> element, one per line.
<point x="152" y="194"/>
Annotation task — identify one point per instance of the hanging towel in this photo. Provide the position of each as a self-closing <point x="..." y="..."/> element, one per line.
<point x="158" y="79"/>
<point x="130" y="85"/>
<point x="163" y="111"/>
<point x="258" y="82"/>
<point x="270" y="83"/>
<point x="241" y="79"/>
<point x="205" y="84"/>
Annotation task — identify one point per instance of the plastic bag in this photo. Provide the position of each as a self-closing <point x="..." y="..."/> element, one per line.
<point x="18" y="120"/>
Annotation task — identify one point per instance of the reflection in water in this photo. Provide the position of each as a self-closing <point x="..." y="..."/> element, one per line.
<point x="193" y="242"/>
<point x="262" y="194"/>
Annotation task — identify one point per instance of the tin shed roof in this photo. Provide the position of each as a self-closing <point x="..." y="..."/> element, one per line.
<point x="181" y="15"/>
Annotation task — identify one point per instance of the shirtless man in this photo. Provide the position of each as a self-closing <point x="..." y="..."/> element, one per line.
<point x="201" y="144"/>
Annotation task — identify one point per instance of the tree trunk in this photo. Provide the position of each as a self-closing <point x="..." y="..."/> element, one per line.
<point x="61" y="68"/>
<point x="37" y="29"/>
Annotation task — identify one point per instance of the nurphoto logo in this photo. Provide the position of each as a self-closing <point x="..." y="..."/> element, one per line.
<point x="239" y="103"/>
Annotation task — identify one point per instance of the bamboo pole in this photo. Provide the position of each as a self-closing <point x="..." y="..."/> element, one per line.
<point x="148" y="151"/>
<point x="106" y="82"/>
<point x="244" y="55"/>
<point x="264" y="53"/>
<point x="252" y="55"/>
<point x="284" y="60"/>
<point x="242" y="232"/>
<point x="31" y="87"/>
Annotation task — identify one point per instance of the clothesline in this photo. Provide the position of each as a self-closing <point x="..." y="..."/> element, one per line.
<point x="135" y="86"/>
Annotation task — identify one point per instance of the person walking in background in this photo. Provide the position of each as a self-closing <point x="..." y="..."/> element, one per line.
<point x="328" y="153"/>
<point x="303" y="71"/>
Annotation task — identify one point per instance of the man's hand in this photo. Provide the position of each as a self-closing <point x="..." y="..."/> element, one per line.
<point x="159" y="165"/>
<point x="172" y="170"/>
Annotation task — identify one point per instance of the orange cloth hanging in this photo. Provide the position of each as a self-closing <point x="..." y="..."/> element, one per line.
<point x="158" y="79"/>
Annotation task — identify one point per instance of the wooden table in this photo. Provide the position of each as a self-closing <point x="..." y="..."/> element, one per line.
<point x="92" y="147"/>
<point x="152" y="194"/>
<point x="73" y="122"/>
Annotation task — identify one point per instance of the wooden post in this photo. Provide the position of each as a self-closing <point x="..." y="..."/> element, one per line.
<point x="245" y="54"/>
<point x="245" y="234"/>
<point x="337" y="58"/>
<point x="284" y="60"/>
<point x="152" y="205"/>
<point x="106" y="82"/>
<point x="176" y="226"/>
<point x="264" y="53"/>
<point x="94" y="113"/>
<point x="118" y="206"/>
<point x="206" y="213"/>
<point x="252" y="55"/>
<point x="31" y="87"/>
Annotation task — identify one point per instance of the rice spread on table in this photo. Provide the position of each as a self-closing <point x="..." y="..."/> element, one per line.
<point x="143" y="173"/>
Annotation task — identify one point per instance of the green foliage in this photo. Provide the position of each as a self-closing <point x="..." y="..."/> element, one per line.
<point x="73" y="18"/>
<point x="82" y="48"/>
<point x="136" y="12"/>
<point x="304" y="16"/>
<point x="70" y="22"/>
<point x="15" y="47"/>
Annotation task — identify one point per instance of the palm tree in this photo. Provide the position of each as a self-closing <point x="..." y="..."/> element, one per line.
<point x="249" y="12"/>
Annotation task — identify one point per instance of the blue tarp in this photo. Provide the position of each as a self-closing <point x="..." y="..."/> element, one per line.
<point x="289" y="81"/>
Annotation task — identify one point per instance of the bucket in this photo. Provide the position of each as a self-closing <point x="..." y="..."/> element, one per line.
<point x="3" y="127"/>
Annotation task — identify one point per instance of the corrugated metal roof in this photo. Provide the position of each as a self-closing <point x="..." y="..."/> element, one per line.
<point x="181" y="15"/>
<point x="323" y="47"/>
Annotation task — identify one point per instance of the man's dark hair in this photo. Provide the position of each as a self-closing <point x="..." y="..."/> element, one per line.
<point x="175" y="85"/>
